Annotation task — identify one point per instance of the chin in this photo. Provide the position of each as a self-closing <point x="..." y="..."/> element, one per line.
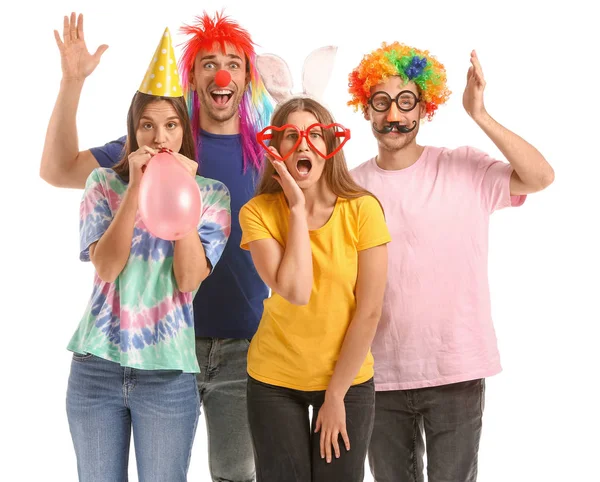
<point x="305" y="183"/>
<point x="222" y="115"/>
<point x="390" y="146"/>
<point x="395" y="144"/>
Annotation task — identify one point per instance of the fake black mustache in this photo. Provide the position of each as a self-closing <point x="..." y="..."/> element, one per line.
<point x="390" y="127"/>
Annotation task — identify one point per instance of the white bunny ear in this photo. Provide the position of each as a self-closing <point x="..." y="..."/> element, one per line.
<point x="276" y="75"/>
<point x="317" y="70"/>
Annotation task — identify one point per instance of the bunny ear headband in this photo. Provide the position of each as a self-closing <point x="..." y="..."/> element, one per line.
<point x="277" y="78"/>
<point x="316" y="73"/>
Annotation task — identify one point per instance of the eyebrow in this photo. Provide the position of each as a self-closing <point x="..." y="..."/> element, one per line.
<point x="168" y="118"/>
<point x="214" y="56"/>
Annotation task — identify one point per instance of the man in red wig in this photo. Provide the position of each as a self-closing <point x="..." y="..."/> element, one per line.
<point x="228" y="104"/>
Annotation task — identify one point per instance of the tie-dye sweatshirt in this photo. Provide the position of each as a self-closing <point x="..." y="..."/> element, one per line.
<point x="142" y="320"/>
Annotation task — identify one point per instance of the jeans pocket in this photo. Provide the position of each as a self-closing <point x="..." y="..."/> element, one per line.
<point x="81" y="356"/>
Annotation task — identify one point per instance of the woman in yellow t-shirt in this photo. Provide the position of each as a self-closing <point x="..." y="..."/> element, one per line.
<point x="319" y="241"/>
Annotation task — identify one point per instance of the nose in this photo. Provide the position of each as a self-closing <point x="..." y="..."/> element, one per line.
<point x="222" y="78"/>
<point x="393" y="114"/>
<point x="160" y="137"/>
<point x="303" y="146"/>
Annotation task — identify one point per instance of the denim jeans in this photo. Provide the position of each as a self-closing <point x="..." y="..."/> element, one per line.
<point x="286" y="447"/>
<point x="450" y="416"/>
<point x="222" y="386"/>
<point x="106" y="401"/>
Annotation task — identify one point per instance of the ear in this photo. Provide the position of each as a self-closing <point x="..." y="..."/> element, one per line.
<point x="366" y="114"/>
<point x="317" y="70"/>
<point x="276" y="76"/>
<point x="191" y="80"/>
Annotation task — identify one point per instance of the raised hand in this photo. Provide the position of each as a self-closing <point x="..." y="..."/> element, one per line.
<point x="290" y="187"/>
<point x="473" y="95"/>
<point x="77" y="63"/>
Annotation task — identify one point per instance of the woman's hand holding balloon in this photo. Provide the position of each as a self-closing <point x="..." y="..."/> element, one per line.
<point x="137" y="164"/>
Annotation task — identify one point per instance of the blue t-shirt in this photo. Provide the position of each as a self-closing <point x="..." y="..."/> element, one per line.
<point x="229" y="303"/>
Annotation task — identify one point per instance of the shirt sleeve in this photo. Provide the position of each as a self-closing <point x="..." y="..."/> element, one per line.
<point x="215" y="224"/>
<point x="372" y="228"/>
<point x="493" y="179"/>
<point x="95" y="214"/>
<point x="111" y="153"/>
<point x="252" y="224"/>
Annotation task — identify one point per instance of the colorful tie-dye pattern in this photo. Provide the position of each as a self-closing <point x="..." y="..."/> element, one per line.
<point x="142" y="320"/>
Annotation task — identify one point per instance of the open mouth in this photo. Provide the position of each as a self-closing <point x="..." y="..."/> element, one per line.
<point x="303" y="166"/>
<point x="222" y="96"/>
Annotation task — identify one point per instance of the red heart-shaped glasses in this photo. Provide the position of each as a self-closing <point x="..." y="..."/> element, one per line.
<point x="340" y="132"/>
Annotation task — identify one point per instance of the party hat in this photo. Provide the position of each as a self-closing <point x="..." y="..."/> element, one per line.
<point x="162" y="77"/>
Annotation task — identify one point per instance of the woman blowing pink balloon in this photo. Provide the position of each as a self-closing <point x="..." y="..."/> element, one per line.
<point x="134" y="360"/>
<point x="169" y="200"/>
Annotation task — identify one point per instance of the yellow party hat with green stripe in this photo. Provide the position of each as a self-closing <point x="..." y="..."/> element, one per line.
<point x="162" y="77"/>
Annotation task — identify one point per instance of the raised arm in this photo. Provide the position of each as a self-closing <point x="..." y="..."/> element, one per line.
<point x="287" y="270"/>
<point x="62" y="164"/>
<point x="532" y="172"/>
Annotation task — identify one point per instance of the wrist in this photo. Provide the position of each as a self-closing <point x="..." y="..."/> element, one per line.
<point x="298" y="210"/>
<point x="133" y="192"/>
<point x="334" y="394"/>
<point x="481" y="118"/>
<point x="72" y="82"/>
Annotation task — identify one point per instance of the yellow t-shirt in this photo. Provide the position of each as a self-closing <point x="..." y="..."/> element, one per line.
<point x="297" y="346"/>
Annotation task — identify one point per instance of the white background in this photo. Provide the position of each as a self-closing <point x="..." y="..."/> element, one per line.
<point x="541" y="419"/>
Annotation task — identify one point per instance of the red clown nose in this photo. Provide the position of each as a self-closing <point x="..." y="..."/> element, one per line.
<point x="222" y="78"/>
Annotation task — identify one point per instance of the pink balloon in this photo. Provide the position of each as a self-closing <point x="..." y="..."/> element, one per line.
<point x="169" y="202"/>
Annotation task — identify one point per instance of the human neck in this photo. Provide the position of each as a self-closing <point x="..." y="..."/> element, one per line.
<point x="319" y="197"/>
<point x="399" y="159"/>
<point x="229" y="127"/>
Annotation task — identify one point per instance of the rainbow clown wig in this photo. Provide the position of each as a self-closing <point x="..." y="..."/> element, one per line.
<point x="408" y="63"/>
<point x="255" y="107"/>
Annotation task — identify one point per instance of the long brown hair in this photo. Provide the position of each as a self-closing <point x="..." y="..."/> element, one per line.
<point x="136" y="110"/>
<point x="336" y="172"/>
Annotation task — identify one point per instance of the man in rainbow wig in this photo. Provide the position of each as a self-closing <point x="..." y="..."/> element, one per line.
<point x="228" y="104"/>
<point x="435" y="343"/>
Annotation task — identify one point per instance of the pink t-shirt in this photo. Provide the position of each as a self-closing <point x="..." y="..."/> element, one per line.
<point x="436" y="326"/>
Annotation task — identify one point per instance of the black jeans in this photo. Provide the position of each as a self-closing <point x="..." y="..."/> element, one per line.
<point x="449" y="416"/>
<point x="286" y="449"/>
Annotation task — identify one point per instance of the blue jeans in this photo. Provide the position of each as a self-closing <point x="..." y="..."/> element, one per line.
<point x="222" y="384"/>
<point x="450" y="417"/>
<point x="105" y="401"/>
